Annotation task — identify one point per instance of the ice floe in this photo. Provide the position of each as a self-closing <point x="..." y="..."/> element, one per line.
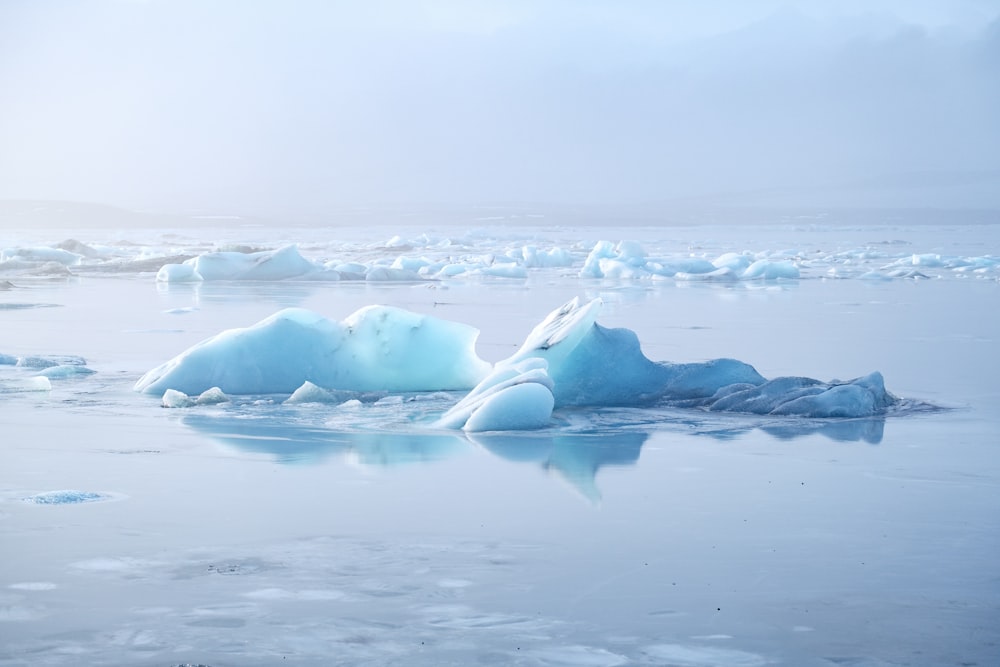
<point x="567" y="361"/>
<point x="66" y="497"/>
<point x="490" y="254"/>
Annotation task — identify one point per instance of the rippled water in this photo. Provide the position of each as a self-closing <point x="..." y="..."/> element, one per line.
<point x="254" y="533"/>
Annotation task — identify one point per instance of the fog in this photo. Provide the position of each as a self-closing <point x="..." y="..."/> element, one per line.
<point x="308" y="107"/>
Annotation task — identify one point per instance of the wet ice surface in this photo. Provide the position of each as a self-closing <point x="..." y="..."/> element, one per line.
<point x="256" y="532"/>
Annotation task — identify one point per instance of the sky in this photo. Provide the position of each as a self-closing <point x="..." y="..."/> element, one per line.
<point x="307" y="106"/>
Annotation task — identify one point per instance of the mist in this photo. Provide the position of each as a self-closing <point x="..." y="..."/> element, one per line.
<point x="306" y="107"/>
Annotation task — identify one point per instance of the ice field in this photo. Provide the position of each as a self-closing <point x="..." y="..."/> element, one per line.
<point x="510" y="443"/>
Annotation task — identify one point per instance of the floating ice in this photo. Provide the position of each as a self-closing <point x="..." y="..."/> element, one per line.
<point x="280" y="264"/>
<point x="212" y="396"/>
<point x="16" y="385"/>
<point x="378" y="348"/>
<point x="178" y="273"/>
<point x="766" y="270"/>
<point x="805" y="397"/>
<point x="33" y="586"/>
<point x="567" y="360"/>
<point x="514" y="254"/>
<point x="65" y="371"/>
<point x="176" y="399"/>
<point x="311" y="393"/>
<point x="50" y="361"/>
<point x="23" y="267"/>
<point x="516" y="396"/>
<point x="66" y="497"/>
<point x="628" y="260"/>
<point x="40" y="255"/>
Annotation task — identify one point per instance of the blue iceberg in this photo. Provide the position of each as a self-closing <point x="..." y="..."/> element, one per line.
<point x="567" y="361"/>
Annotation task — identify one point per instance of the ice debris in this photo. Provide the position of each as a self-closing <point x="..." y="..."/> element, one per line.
<point x="177" y="399"/>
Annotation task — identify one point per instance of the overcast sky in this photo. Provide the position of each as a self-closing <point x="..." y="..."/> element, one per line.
<point x="300" y="107"/>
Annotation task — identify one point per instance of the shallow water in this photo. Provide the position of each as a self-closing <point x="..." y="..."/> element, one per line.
<point x="252" y="533"/>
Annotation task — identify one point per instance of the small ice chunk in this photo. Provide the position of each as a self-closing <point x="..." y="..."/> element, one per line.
<point x="717" y="275"/>
<point x="592" y="265"/>
<point x="514" y="408"/>
<point x="311" y="393"/>
<point x="176" y="399"/>
<point x="353" y="269"/>
<point x="33" y="586"/>
<point x="43" y="254"/>
<point x="631" y="252"/>
<point x="516" y="396"/>
<point x="929" y="260"/>
<point x="733" y="261"/>
<point x="413" y="264"/>
<point x="178" y="273"/>
<point x="533" y="257"/>
<point x="48" y="362"/>
<point x="65" y="497"/>
<point x="389" y="274"/>
<point x="212" y="396"/>
<point x="35" y="383"/>
<point x="764" y="269"/>
<point x="65" y="371"/>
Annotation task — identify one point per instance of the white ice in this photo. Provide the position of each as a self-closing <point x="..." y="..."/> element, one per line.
<point x="476" y="255"/>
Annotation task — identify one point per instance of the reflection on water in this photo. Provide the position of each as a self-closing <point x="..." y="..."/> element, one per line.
<point x="727" y="426"/>
<point x="281" y="294"/>
<point x="582" y="442"/>
<point x="294" y="443"/>
<point x="870" y="430"/>
<point x="576" y="457"/>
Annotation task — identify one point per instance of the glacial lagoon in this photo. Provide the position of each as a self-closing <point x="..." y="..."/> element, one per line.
<point x="257" y="532"/>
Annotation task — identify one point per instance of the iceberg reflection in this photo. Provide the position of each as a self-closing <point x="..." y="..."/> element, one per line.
<point x="575" y="451"/>
<point x="296" y="443"/>
<point x="576" y="457"/>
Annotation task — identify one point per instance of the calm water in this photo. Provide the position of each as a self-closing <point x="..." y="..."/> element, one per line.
<point x="258" y="534"/>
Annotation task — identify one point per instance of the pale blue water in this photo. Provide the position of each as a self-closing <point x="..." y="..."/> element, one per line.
<point x="257" y="534"/>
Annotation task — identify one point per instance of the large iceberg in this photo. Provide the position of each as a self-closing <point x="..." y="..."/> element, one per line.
<point x="567" y="361"/>
<point x="378" y="348"/>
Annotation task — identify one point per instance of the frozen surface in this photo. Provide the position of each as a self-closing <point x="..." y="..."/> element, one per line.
<point x="262" y="528"/>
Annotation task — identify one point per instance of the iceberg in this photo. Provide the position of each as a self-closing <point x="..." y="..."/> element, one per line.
<point x="41" y="255"/>
<point x="567" y="361"/>
<point x="378" y="348"/>
<point x="280" y="264"/>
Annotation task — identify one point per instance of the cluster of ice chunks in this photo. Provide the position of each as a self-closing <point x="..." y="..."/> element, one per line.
<point x="41" y="370"/>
